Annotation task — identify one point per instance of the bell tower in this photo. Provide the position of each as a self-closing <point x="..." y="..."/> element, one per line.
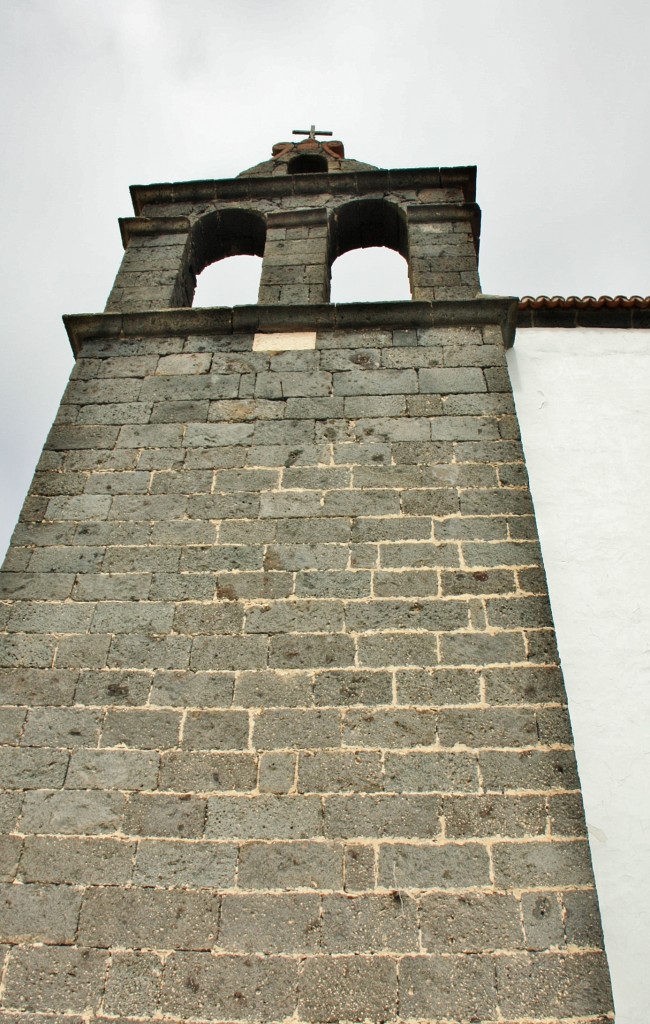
<point x="286" y="734"/>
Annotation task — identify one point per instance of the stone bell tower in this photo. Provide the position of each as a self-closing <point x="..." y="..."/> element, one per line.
<point x="285" y="733"/>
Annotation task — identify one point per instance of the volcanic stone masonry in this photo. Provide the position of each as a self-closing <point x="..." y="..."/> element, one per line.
<point x="284" y="731"/>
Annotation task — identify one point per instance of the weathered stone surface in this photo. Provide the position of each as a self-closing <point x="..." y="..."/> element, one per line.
<point x="283" y="732"/>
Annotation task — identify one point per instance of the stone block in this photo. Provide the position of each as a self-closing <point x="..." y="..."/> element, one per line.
<point x="198" y="865"/>
<point x="354" y="988"/>
<point x="490" y="815"/>
<point x="206" y="772"/>
<point x="216" y="730"/>
<point x="149" y="652"/>
<point x="76" y="812"/>
<point x="12" y="721"/>
<point x="381" y="816"/>
<point x="294" y="557"/>
<point x="277" y="772"/>
<point x="414" y="583"/>
<point x="141" y="728"/>
<point x="460" y="986"/>
<point x="332" y="771"/>
<point x="471" y="923"/>
<point x="152" y="918"/>
<point x="430" y="772"/>
<point x="352" y="687"/>
<point x="407" y="615"/>
<point x="383" y="649"/>
<point x="39" y="913"/>
<point x="428" y="866"/>
<point x="529" y="770"/>
<point x="566" y="814"/>
<point x="91" y="861"/>
<point x="273" y="688"/>
<point x="525" y="685"/>
<point x="296" y="617"/>
<point x="418" y="555"/>
<point x="311" y="650"/>
<point x="278" y="923"/>
<point x="192" y="689"/>
<point x="187" y="363"/>
<point x="112" y="769"/>
<point x="229" y="987"/>
<point x="112" y="587"/>
<point x="352" y="584"/>
<point x="359" y="867"/>
<point x="24" y="650"/>
<point x="113" y="687"/>
<point x="482" y="648"/>
<point x="582" y="918"/>
<point x="55" y="979"/>
<point x="266" y="817"/>
<point x="542" y="920"/>
<point x="278" y="728"/>
<point x="228" y="653"/>
<point x="542" y="864"/>
<point x="375" y="382"/>
<point x="133" y="984"/>
<point x="502" y="727"/>
<point x="32" y="768"/>
<point x="532" y="984"/>
<point x="394" y="728"/>
<point x="290" y="865"/>
<point x="254" y="585"/>
<point x="443" y="381"/>
<point x="165" y="816"/>
<point x="10" y="852"/>
<point x="50" y="617"/>
<point x="370" y="924"/>
<point x="83" y="651"/>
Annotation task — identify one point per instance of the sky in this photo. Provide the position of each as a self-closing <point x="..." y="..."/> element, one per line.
<point x="548" y="97"/>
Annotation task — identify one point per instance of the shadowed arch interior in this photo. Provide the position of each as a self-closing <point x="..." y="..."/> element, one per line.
<point x="225" y="233"/>
<point x="366" y="223"/>
<point x="369" y="224"/>
<point x="307" y="163"/>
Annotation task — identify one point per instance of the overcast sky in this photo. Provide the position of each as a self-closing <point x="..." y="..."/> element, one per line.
<point x="548" y="97"/>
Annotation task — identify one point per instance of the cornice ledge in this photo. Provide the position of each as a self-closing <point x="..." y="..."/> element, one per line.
<point x="352" y="182"/>
<point x="132" y="227"/>
<point x="496" y="310"/>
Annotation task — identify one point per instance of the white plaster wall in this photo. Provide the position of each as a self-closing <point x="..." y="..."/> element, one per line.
<point x="583" y="401"/>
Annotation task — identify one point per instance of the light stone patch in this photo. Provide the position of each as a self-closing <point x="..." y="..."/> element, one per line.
<point x="284" y="341"/>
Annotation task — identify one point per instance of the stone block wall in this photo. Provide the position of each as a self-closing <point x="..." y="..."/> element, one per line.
<point x="284" y="732"/>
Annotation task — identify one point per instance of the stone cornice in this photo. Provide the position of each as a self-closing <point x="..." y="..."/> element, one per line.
<point x="358" y="183"/>
<point x="481" y="311"/>
<point x="131" y="227"/>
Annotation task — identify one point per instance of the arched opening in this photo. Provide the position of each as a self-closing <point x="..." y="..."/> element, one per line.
<point x="307" y="163"/>
<point x="233" y="281"/>
<point x="217" y="236"/>
<point x="380" y="272"/>
<point x="370" y="275"/>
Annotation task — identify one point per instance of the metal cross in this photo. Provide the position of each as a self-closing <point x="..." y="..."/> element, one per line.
<point x="312" y="133"/>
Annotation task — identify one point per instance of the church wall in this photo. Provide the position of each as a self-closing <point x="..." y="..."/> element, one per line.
<point x="285" y="731"/>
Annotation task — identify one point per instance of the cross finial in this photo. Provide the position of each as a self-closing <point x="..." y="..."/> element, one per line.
<point x="312" y="133"/>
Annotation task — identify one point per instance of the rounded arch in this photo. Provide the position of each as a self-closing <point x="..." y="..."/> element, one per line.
<point x="226" y="233"/>
<point x="366" y="224"/>
<point x="307" y="163"/>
